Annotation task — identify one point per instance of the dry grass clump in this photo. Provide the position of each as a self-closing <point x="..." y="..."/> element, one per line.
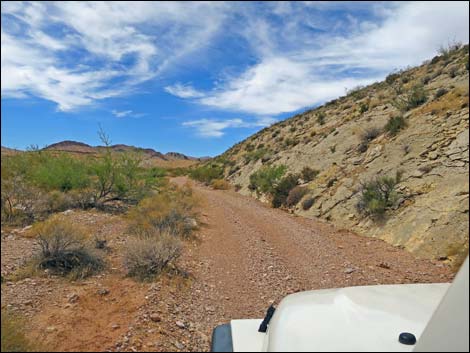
<point x="148" y="256"/>
<point x="64" y="251"/>
<point x="220" y="184"/>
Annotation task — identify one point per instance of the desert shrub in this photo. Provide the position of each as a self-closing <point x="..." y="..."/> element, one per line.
<point x="220" y="184"/>
<point x="453" y="71"/>
<point x="308" y="203"/>
<point x="413" y="98"/>
<point x="395" y="124"/>
<point x="13" y="337"/>
<point x="440" y="92"/>
<point x="171" y="211"/>
<point x="60" y="172"/>
<point x="146" y="257"/>
<point x="368" y="136"/>
<point x="207" y="173"/>
<point x="295" y="195"/>
<point x="308" y="174"/>
<point x="425" y="80"/>
<point x="378" y="195"/>
<point x="64" y="250"/>
<point x="265" y="179"/>
<point x="363" y="107"/>
<point x="282" y="189"/>
<point x="321" y="118"/>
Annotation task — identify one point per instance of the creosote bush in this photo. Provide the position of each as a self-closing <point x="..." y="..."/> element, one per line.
<point x="64" y="250"/>
<point x="171" y="211"/>
<point x="378" y="195"/>
<point x="395" y="124"/>
<point x="207" y="173"/>
<point x="266" y="178"/>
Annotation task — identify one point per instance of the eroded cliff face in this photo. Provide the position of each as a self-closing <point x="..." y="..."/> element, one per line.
<point x="431" y="217"/>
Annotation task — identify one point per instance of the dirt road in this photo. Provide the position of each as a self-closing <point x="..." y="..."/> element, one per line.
<point x="245" y="257"/>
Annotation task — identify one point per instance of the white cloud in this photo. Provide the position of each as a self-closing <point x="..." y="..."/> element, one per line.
<point x="183" y="91"/>
<point x="215" y="128"/>
<point x="121" y="114"/>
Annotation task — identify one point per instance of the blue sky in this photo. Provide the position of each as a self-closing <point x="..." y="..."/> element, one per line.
<point x="198" y="77"/>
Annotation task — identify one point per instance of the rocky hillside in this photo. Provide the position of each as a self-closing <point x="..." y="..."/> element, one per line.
<point x="415" y="123"/>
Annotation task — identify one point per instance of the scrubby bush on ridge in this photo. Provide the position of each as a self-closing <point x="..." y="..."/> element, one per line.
<point x="378" y="195"/>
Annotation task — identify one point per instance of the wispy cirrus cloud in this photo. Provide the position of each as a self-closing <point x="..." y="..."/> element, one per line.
<point x="291" y="55"/>
<point x="304" y="60"/>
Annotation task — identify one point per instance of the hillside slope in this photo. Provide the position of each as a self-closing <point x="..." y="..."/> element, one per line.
<point x="338" y="140"/>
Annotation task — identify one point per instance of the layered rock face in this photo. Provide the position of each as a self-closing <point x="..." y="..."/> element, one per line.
<point x="431" y="217"/>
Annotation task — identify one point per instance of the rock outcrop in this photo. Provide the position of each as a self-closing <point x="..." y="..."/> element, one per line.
<point x="431" y="218"/>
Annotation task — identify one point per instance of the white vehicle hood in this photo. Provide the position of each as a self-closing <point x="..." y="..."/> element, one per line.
<point x="368" y="318"/>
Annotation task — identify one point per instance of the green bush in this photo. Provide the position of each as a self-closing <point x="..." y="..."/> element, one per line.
<point x="265" y="179"/>
<point x="207" y="173"/>
<point x="378" y="195"/>
<point x="395" y="124"/>
<point x="282" y="189"/>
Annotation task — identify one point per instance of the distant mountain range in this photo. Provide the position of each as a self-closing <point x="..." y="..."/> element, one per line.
<point x="80" y="147"/>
